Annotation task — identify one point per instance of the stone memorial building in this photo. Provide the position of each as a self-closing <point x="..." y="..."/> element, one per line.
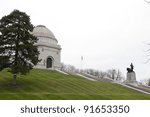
<point x="50" y="51"/>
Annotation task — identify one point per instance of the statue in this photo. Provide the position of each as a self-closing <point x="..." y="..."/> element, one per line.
<point x="131" y="76"/>
<point x="131" y="68"/>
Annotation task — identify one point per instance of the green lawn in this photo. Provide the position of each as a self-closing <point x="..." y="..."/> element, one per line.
<point x="47" y="84"/>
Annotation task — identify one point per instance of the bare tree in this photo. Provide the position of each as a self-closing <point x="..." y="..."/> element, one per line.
<point x="119" y="75"/>
<point x="68" y="68"/>
<point x="97" y="73"/>
<point x="114" y="74"/>
<point x="89" y="71"/>
<point x="102" y="74"/>
<point x="145" y="82"/>
<point x="111" y="73"/>
<point x="63" y="67"/>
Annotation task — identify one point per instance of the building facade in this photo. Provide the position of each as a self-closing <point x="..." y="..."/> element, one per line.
<point x="50" y="51"/>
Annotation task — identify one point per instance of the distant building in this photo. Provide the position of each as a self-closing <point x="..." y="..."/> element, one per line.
<point x="50" y="51"/>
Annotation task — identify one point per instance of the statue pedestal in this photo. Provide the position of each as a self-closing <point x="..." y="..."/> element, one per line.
<point x="131" y="78"/>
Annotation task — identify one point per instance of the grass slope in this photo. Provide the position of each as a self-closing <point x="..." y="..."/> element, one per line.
<point x="46" y="84"/>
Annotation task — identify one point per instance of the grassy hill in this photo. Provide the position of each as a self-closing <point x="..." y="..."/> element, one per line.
<point x="46" y="84"/>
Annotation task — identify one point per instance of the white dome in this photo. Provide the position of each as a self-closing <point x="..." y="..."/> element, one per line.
<point x="42" y="31"/>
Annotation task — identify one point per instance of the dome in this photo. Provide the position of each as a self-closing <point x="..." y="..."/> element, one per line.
<point x="42" y="31"/>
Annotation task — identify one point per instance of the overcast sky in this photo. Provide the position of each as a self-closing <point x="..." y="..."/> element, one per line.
<point x="107" y="33"/>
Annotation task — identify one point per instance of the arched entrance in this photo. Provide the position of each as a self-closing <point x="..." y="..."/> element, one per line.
<point x="49" y="63"/>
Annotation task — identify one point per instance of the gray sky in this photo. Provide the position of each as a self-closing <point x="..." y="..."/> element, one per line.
<point x="107" y="33"/>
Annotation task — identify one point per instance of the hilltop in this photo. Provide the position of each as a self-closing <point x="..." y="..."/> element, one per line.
<point x="50" y="84"/>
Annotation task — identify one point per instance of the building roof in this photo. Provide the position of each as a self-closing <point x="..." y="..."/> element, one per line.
<point x="42" y="31"/>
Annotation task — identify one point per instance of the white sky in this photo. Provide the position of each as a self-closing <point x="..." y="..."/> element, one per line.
<point x="107" y="33"/>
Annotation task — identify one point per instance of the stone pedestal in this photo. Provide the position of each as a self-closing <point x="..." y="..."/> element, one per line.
<point x="131" y="78"/>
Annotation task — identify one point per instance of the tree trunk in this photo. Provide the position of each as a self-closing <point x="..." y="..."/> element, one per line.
<point x="14" y="79"/>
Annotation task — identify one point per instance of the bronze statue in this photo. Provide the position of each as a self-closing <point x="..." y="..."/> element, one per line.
<point x="131" y="68"/>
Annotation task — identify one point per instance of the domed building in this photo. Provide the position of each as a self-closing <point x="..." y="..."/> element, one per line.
<point x="48" y="47"/>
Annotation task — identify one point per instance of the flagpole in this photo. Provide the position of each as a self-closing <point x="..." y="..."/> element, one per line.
<point x="81" y="63"/>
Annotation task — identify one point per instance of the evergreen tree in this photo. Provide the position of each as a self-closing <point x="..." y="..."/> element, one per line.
<point x="17" y="45"/>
